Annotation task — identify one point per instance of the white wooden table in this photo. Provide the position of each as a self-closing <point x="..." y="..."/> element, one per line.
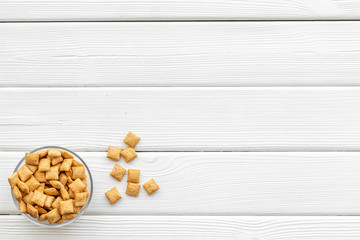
<point x="249" y="113"/>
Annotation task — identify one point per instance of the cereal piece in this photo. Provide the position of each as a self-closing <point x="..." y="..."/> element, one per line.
<point x="22" y="206"/>
<point x="133" y="176"/>
<point x="32" y="183"/>
<point x="78" y="172"/>
<point x="42" y="217"/>
<point x="40" y="176"/>
<point x="41" y="187"/>
<point x="114" y="153"/>
<point x="118" y="172"/>
<point x="70" y="180"/>
<point x="32" y="168"/>
<point x="51" y="192"/>
<point x="131" y="139"/>
<point x="66" y="164"/>
<point x="48" y="202"/>
<point x="17" y="193"/>
<point x="63" y="179"/>
<point x="56" y="203"/>
<point x="80" y="199"/>
<point x="66" y="154"/>
<point x="56" y="160"/>
<point x="132" y="189"/>
<point x="64" y="194"/>
<point x="53" y="173"/>
<point x="23" y="186"/>
<point x="32" y="158"/>
<point x="27" y="198"/>
<point x="41" y="210"/>
<point x="42" y="153"/>
<point x="60" y="221"/>
<point x="68" y="216"/>
<point x="113" y="195"/>
<point x="56" y="184"/>
<point x="77" y="186"/>
<point x="84" y="182"/>
<point x="54" y="153"/>
<point x="151" y="186"/>
<point x="44" y="164"/>
<point x="128" y="154"/>
<point x="66" y="207"/>
<point x="13" y="179"/>
<point x="32" y="211"/>
<point x="38" y="198"/>
<point x="24" y="173"/>
<point x="71" y="194"/>
<point x="76" y="163"/>
<point x="53" y="216"/>
<point x="68" y="173"/>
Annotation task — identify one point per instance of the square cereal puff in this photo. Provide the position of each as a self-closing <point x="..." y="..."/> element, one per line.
<point x="151" y="186"/>
<point x="53" y="173"/>
<point x="32" y="168"/>
<point x="41" y="187"/>
<point x="133" y="176"/>
<point x="132" y="189"/>
<point x="77" y="186"/>
<point x="81" y="199"/>
<point x="66" y="207"/>
<point x="56" y="203"/>
<point x="40" y="176"/>
<point x="33" y="212"/>
<point x="44" y="164"/>
<point x="63" y="179"/>
<point x="114" y="153"/>
<point x="128" y="154"/>
<point x="41" y="210"/>
<point x="27" y="198"/>
<point x="66" y="154"/>
<point x="13" y="179"/>
<point x="54" y="153"/>
<point x="23" y="187"/>
<point x="113" y="195"/>
<point x="49" y="200"/>
<point x="66" y="164"/>
<point x="42" y="217"/>
<point x="68" y="216"/>
<point x="53" y="216"/>
<point x="32" y="158"/>
<point x="78" y="172"/>
<point x="64" y="194"/>
<point x="22" y="206"/>
<point x="42" y="153"/>
<point x="56" y="184"/>
<point x="56" y="160"/>
<point x="24" y="173"/>
<point x="131" y="139"/>
<point x="51" y="191"/>
<point x="32" y="183"/>
<point x="118" y="172"/>
<point x="76" y="163"/>
<point x="17" y="193"/>
<point x="38" y="198"/>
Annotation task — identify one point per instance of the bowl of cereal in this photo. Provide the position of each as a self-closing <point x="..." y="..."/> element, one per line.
<point x="51" y="186"/>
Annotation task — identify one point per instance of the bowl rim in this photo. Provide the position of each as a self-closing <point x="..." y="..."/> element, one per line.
<point x="35" y="221"/>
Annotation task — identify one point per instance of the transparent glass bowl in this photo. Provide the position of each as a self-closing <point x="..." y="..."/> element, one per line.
<point x="89" y="188"/>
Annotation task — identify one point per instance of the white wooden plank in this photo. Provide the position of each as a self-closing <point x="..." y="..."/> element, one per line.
<point x="85" y="10"/>
<point x="180" y="54"/>
<point x="182" y="119"/>
<point x="188" y="227"/>
<point x="319" y="183"/>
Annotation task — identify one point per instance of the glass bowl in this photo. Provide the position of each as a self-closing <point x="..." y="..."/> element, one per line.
<point x="89" y="188"/>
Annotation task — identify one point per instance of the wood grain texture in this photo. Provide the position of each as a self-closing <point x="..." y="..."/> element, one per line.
<point x="216" y="183"/>
<point x="182" y="119"/>
<point x="188" y="227"/>
<point x="180" y="54"/>
<point x="110" y="10"/>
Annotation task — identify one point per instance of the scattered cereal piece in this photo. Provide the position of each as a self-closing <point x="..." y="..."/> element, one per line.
<point x="56" y="160"/>
<point x="17" y="193"/>
<point x="78" y="172"/>
<point x="113" y="195"/>
<point x="42" y="217"/>
<point x="53" y="216"/>
<point x="66" y="207"/>
<point x="40" y="176"/>
<point x="38" y="198"/>
<point x="131" y="139"/>
<point x="66" y="164"/>
<point x="51" y="192"/>
<point x="77" y="186"/>
<point x="22" y="206"/>
<point x="32" y="183"/>
<point x="24" y="173"/>
<point x="132" y="189"/>
<point x="68" y="216"/>
<point x="53" y="153"/>
<point x="56" y="184"/>
<point x="48" y="202"/>
<point x="66" y="154"/>
<point x="41" y="210"/>
<point x="53" y="173"/>
<point x="80" y="199"/>
<point x="133" y="176"/>
<point x="64" y="194"/>
<point x="114" y="153"/>
<point x="32" y="211"/>
<point x="44" y="164"/>
<point x="151" y="186"/>
<point x="32" y="158"/>
<point x="32" y="168"/>
<point x="128" y="154"/>
<point x="13" y="179"/>
<point x="23" y="186"/>
<point x="118" y="172"/>
<point x="42" y="153"/>
<point x="27" y="198"/>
